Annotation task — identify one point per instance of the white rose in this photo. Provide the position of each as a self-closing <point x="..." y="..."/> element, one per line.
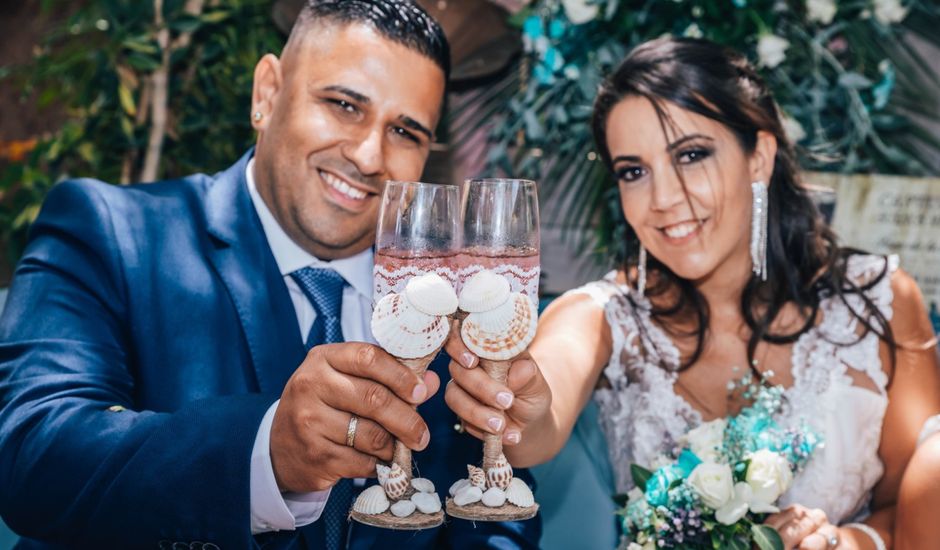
<point x="579" y="11"/>
<point x="734" y="509"/>
<point x="821" y="11"/>
<point x="772" y="50"/>
<point x="713" y="483"/>
<point x="635" y="494"/>
<point x="706" y="440"/>
<point x="769" y="476"/>
<point x="890" y="11"/>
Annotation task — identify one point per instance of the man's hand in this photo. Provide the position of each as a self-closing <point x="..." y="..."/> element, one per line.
<point x="486" y="406"/>
<point x="336" y="381"/>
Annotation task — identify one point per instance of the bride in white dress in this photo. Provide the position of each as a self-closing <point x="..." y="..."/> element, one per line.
<point x="693" y="137"/>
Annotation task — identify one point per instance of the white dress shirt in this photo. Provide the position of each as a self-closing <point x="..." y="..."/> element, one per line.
<point x="272" y="510"/>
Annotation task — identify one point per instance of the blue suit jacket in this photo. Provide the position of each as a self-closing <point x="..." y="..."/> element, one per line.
<point x="146" y="333"/>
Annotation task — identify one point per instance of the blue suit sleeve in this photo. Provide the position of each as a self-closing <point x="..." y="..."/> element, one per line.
<point x="77" y="463"/>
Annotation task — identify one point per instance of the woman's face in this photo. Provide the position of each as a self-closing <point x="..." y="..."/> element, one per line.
<point x="700" y="231"/>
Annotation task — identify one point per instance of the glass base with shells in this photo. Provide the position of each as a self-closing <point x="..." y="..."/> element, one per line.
<point x="400" y="501"/>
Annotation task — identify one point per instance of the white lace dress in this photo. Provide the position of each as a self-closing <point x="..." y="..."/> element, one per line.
<point x="642" y="415"/>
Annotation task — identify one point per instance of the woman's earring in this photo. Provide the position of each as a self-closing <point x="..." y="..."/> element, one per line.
<point x="759" y="206"/>
<point x="258" y="116"/>
<point x="641" y="273"/>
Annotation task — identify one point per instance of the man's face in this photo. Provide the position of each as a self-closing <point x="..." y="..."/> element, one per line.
<point x="344" y="110"/>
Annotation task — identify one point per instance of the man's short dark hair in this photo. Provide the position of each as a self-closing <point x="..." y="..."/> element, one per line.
<point x="401" y="21"/>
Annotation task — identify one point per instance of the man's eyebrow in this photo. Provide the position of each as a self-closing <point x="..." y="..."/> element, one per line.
<point x="349" y="92"/>
<point x="416" y="126"/>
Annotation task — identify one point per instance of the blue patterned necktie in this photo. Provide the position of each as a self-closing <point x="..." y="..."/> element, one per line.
<point x="324" y="289"/>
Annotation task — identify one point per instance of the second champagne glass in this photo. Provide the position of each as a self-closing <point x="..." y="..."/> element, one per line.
<point x="417" y="233"/>
<point x="499" y="279"/>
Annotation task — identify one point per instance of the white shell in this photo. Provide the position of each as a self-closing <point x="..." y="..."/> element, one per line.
<point x="499" y="475"/>
<point x="403" y="508"/>
<point x="423" y="485"/>
<point x="477" y="477"/>
<point x="494" y="497"/>
<point x="431" y="294"/>
<point x="458" y="485"/>
<point x="396" y="484"/>
<point x="372" y="501"/>
<point x="484" y="291"/>
<point x="405" y="332"/>
<point x="427" y="503"/>
<point x="468" y="495"/>
<point x="381" y="472"/>
<point x="518" y="493"/>
<point x="503" y="333"/>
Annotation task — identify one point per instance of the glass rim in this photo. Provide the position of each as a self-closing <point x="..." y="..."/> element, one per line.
<point x="418" y="183"/>
<point x="500" y="181"/>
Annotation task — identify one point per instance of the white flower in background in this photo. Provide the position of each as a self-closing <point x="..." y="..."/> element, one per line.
<point x="705" y="440"/>
<point x="772" y="50"/>
<point x="735" y="508"/>
<point x="693" y="31"/>
<point x="890" y="11"/>
<point x="793" y="128"/>
<point x="821" y="11"/>
<point x="650" y="545"/>
<point x="713" y="483"/>
<point x="635" y="495"/>
<point x="579" y="11"/>
<point x="769" y="476"/>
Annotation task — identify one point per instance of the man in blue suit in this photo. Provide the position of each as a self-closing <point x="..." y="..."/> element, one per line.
<point x="155" y="385"/>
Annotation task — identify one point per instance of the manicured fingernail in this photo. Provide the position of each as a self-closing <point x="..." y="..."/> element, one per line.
<point x="419" y="393"/>
<point x="513" y="437"/>
<point x="495" y="423"/>
<point x="467" y="359"/>
<point x="425" y="438"/>
<point x="504" y="398"/>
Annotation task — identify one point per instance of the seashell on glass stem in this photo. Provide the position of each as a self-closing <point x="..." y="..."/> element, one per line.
<point x="372" y="501"/>
<point x="396" y="484"/>
<point x="518" y="493"/>
<point x="503" y="333"/>
<point x="500" y="474"/>
<point x="484" y="291"/>
<point x="405" y="332"/>
<point x="431" y="294"/>
<point x="477" y="476"/>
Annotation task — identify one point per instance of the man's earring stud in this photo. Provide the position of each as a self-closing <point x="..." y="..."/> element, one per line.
<point x="258" y="116"/>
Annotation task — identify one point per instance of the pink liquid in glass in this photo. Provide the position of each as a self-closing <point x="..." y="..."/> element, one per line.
<point x="518" y="264"/>
<point x="394" y="268"/>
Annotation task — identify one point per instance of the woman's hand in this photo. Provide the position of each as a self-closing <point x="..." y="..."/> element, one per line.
<point x="488" y="407"/>
<point x="805" y="528"/>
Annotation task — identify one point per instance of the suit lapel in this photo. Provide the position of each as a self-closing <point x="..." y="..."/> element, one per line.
<point x="243" y="260"/>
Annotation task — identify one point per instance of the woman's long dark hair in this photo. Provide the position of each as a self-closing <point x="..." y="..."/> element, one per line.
<point x="805" y="263"/>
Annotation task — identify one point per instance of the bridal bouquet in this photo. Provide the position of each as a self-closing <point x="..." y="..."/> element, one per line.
<point x="725" y="476"/>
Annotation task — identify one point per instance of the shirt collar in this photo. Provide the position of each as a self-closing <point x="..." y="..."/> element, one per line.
<point x="357" y="269"/>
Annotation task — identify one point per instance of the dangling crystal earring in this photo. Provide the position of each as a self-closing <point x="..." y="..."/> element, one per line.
<point x="641" y="273"/>
<point x="759" y="206"/>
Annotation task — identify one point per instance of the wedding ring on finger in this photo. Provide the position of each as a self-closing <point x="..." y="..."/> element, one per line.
<point x="351" y="430"/>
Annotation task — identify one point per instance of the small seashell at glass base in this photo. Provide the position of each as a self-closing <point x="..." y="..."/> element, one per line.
<point x="422" y="485"/>
<point x="403" y="508"/>
<point x="372" y="501"/>
<point x="494" y="497"/>
<point x="518" y="493"/>
<point x="427" y="503"/>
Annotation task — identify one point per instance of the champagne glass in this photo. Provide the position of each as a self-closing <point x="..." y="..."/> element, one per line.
<point x="417" y="233"/>
<point x="500" y="226"/>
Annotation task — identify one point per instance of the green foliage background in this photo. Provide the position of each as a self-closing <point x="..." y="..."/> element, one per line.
<point x="98" y="64"/>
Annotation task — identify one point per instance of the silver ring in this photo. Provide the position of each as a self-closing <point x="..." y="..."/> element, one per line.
<point x="832" y="541"/>
<point x="351" y="430"/>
